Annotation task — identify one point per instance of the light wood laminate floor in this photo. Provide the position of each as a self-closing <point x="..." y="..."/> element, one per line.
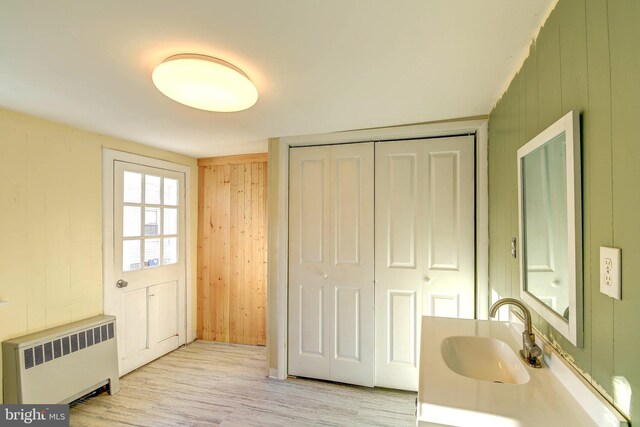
<point x="208" y="383"/>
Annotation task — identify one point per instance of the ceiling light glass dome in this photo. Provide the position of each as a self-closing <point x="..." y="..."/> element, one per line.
<point x="205" y="83"/>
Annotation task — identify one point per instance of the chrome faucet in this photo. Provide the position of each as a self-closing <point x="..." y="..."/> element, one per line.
<point x="530" y="351"/>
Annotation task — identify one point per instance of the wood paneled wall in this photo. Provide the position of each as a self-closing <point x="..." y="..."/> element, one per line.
<point x="232" y="249"/>
<point x="585" y="59"/>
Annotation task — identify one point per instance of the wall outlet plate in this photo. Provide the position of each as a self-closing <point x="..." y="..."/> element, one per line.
<point x="610" y="272"/>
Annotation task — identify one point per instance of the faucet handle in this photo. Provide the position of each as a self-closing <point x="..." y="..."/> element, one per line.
<point x="530" y="351"/>
<point x="535" y="351"/>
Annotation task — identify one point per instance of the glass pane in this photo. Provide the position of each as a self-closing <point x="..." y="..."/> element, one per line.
<point x="130" y="221"/>
<point x="170" y="191"/>
<point x="170" y="221"/>
<point x="544" y="209"/>
<point x="130" y="255"/>
<point x="151" y="252"/>
<point x="151" y="221"/>
<point x="170" y="250"/>
<point x="132" y="187"/>
<point x="152" y="189"/>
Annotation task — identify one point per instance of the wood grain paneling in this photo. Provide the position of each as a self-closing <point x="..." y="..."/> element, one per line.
<point x="232" y="250"/>
<point x="233" y="160"/>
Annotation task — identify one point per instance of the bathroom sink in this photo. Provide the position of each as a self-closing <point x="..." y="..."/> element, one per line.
<point x="483" y="358"/>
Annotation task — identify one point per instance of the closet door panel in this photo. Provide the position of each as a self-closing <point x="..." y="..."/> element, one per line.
<point x="309" y="262"/>
<point x="444" y="214"/>
<point x="352" y="272"/>
<point x="424" y="246"/>
<point x="310" y="203"/>
<point x="398" y="297"/>
<point x="448" y="199"/>
<point x="347" y="196"/>
<point x="331" y="263"/>
<point x="421" y="239"/>
<point x="311" y="326"/>
<point x="348" y="335"/>
<point x="401" y="318"/>
<point x="401" y="209"/>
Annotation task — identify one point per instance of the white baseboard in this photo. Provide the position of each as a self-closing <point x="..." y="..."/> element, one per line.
<point x="273" y="373"/>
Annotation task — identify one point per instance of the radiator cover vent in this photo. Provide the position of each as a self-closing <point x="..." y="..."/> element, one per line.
<point x="60" y="347"/>
<point x="61" y="364"/>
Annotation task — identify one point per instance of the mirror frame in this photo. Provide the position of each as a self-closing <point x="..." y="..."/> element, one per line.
<point x="573" y="329"/>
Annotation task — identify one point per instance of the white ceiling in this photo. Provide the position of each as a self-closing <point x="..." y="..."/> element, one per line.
<point x="319" y="65"/>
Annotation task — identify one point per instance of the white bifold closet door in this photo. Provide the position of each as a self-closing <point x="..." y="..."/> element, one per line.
<point x="424" y="228"/>
<point x="331" y="255"/>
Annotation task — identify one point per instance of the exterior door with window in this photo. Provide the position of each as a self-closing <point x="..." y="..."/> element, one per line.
<point x="148" y="293"/>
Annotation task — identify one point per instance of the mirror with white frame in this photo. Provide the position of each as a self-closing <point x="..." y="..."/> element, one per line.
<point x="550" y="216"/>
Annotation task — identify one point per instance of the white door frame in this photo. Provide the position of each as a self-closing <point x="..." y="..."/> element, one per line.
<point x="277" y="333"/>
<point x="109" y="156"/>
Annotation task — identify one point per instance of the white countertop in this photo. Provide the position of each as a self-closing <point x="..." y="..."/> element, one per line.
<point x="447" y="398"/>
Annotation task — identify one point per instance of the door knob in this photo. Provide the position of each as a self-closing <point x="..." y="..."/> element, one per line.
<point x="325" y="276"/>
<point x="122" y="283"/>
<point x="427" y="280"/>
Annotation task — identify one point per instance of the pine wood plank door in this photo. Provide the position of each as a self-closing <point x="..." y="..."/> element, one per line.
<point x="232" y="249"/>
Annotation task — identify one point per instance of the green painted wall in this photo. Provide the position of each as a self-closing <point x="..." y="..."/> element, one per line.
<point x="586" y="58"/>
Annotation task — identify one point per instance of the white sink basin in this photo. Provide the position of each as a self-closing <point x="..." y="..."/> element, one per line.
<point x="483" y="358"/>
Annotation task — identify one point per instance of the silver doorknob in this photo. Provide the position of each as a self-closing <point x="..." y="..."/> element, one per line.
<point x="122" y="283"/>
<point x="325" y="276"/>
<point x="427" y="280"/>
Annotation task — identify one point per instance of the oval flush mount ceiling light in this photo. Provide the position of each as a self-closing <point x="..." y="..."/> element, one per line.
<point x="204" y="82"/>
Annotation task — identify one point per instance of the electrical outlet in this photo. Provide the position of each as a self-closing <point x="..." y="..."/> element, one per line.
<point x="610" y="272"/>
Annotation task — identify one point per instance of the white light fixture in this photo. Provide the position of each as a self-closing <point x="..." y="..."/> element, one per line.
<point x="204" y="82"/>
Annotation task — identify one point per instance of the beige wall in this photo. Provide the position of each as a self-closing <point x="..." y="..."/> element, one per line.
<point x="51" y="222"/>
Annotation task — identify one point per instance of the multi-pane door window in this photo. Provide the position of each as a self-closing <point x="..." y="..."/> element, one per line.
<point x="149" y="221"/>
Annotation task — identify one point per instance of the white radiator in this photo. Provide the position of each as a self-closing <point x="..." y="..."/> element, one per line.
<point x="61" y="364"/>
